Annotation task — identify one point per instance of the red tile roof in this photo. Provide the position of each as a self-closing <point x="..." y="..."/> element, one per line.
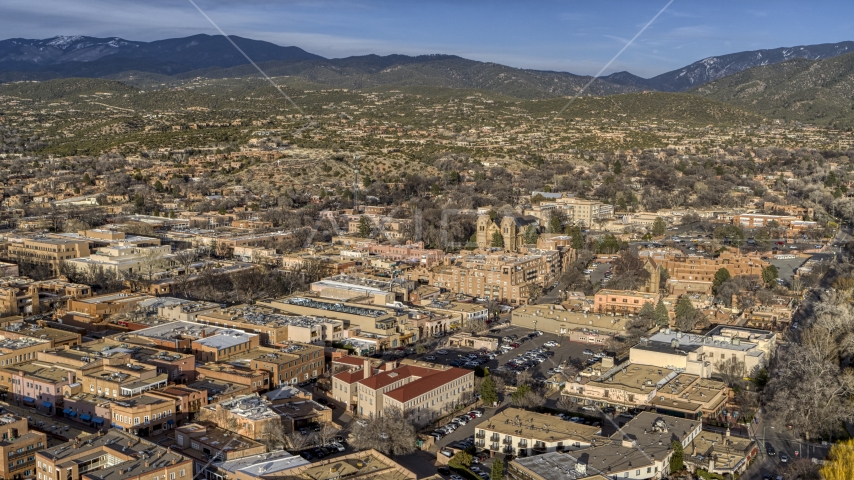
<point x="350" y="377"/>
<point x="426" y="384"/>
<point x="384" y="379"/>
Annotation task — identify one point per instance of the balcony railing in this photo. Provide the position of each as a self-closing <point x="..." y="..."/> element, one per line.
<point x="508" y="451"/>
<point x="507" y="441"/>
<point x="480" y="443"/>
<point x="494" y="446"/>
<point x="522" y="444"/>
<point x="495" y="438"/>
<point x="480" y="434"/>
<point x="540" y="447"/>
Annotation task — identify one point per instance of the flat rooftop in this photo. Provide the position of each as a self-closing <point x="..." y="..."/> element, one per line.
<point x="539" y="426"/>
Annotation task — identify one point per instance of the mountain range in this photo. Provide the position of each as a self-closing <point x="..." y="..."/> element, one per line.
<point x="213" y="57"/>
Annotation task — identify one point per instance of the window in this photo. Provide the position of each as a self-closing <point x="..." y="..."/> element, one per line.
<point x="182" y="472"/>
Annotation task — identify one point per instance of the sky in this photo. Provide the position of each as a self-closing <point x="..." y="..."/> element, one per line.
<point x="574" y="36"/>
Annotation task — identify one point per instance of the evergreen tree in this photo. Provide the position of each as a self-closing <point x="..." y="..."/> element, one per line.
<point x="618" y="167"/>
<point x="659" y="227"/>
<point x="684" y="307"/>
<point x="574" y="231"/>
<point x="497" y="472"/>
<point x="721" y="276"/>
<point x="364" y="227"/>
<point x="487" y="390"/>
<point x="647" y="313"/>
<point x="770" y="274"/>
<point x="661" y="316"/>
<point x="497" y="240"/>
<point x="555" y="224"/>
<point x="676" y="460"/>
<point x="531" y="235"/>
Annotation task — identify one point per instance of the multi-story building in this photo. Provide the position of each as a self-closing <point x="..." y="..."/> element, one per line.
<point x="592" y="328"/>
<point x="275" y="328"/>
<point x="20" y="350"/>
<point x="696" y="273"/>
<point x="646" y="386"/>
<point x="386" y="326"/>
<point x="252" y="416"/>
<point x="123" y="259"/>
<point x="640" y="450"/>
<point x="114" y="455"/>
<point x="521" y="433"/>
<point x="622" y="302"/>
<point x="46" y="251"/>
<point x="204" y="442"/>
<point x="509" y="278"/>
<point x="512" y="229"/>
<point x="699" y="354"/>
<point x="39" y="385"/>
<point x="423" y="391"/>
<point x="410" y="252"/>
<point x="805" y="213"/>
<point x="18" y="447"/>
<point x="100" y="237"/>
<point x="143" y="415"/>
<point x="294" y="364"/>
<point x="759" y="220"/>
<point x="584" y="213"/>
<point x="21" y="295"/>
<point x="86" y="312"/>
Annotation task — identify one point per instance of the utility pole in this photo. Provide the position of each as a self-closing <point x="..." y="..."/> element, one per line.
<point x="356" y="184"/>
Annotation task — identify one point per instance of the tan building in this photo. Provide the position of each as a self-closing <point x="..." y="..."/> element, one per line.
<point x="699" y="354"/>
<point x="592" y="328"/>
<point x="204" y="442"/>
<point x="21" y="295"/>
<point x="386" y="327"/>
<point x="144" y="415"/>
<point x="643" y="386"/>
<point x="18" y="447"/>
<point x="47" y="251"/>
<point x="273" y="327"/>
<point x="252" y="416"/>
<point x="85" y="312"/>
<point x="425" y="391"/>
<point x="519" y="433"/>
<point x="512" y="229"/>
<point x="700" y="271"/>
<point x="584" y="213"/>
<point x="759" y="220"/>
<point x="635" y="451"/>
<point x="294" y="364"/>
<point x="622" y="302"/>
<point x="114" y="455"/>
<point x="508" y="278"/>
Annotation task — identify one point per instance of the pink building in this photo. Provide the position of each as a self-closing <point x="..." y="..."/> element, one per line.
<point x="39" y="386"/>
<point x="411" y="252"/>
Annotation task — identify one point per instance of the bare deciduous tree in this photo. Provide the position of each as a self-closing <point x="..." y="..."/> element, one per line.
<point x="391" y="433"/>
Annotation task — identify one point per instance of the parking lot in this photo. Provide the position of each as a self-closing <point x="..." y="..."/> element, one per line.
<point x="562" y="356"/>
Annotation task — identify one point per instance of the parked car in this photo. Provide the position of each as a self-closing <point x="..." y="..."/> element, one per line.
<point x="587" y="351"/>
<point x="430" y="358"/>
<point x="442" y="352"/>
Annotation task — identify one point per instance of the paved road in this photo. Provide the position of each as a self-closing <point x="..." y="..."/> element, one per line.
<point x="423" y="462"/>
